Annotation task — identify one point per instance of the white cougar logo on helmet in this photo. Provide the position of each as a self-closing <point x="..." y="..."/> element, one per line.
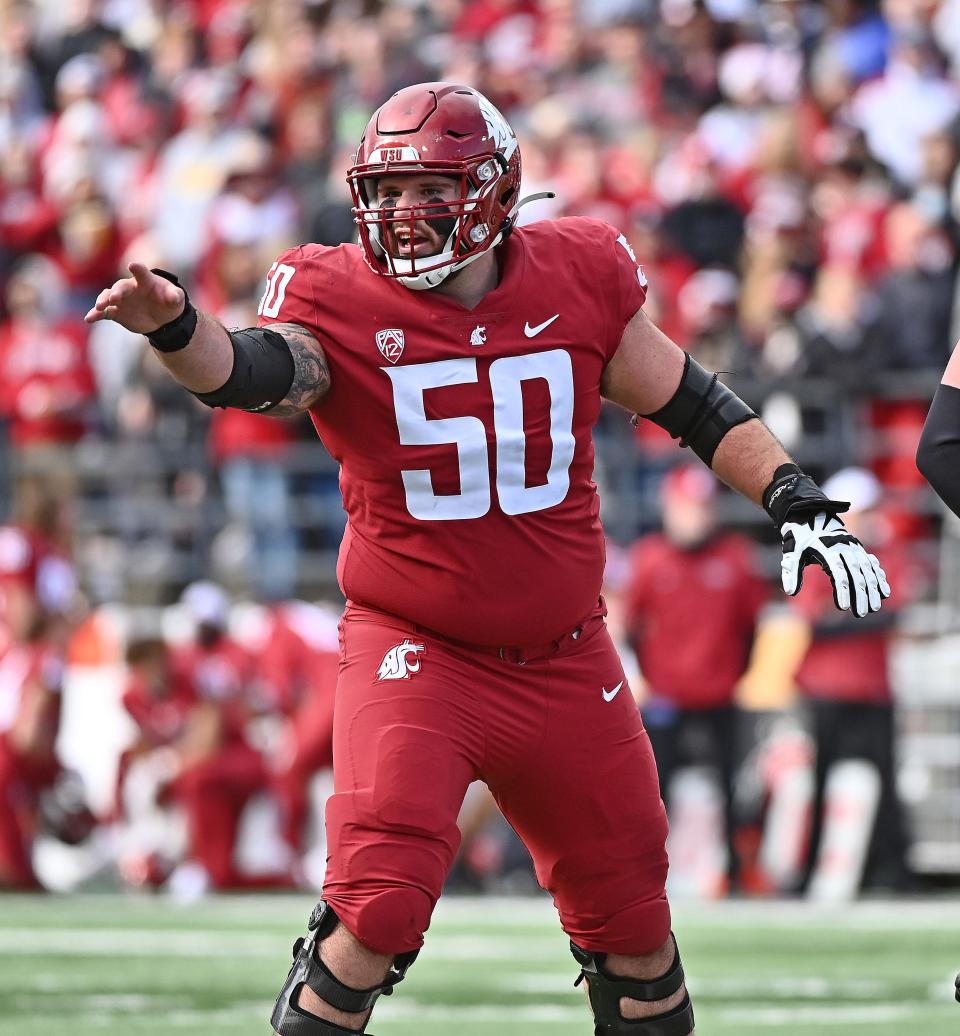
<point x="498" y="128"/>
<point x="397" y="665"/>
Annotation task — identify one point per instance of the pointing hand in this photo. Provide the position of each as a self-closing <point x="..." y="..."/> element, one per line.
<point x="141" y="303"/>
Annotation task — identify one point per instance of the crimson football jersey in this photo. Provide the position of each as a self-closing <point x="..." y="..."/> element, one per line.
<point x="464" y="436"/>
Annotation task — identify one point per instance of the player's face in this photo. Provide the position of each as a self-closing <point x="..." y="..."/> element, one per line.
<point x="416" y="238"/>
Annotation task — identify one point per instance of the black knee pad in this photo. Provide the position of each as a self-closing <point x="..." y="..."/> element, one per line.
<point x="605" y="991"/>
<point x="288" y="1019"/>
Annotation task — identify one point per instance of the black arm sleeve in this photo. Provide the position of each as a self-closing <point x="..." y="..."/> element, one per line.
<point x="701" y="411"/>
<point x="938" y="455"/>
<point x="263" y="371"/>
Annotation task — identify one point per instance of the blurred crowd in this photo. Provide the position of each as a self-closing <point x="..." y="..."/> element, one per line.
<point x="786" y="172"/>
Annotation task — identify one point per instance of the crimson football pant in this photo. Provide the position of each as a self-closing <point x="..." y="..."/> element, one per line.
<point x="213" y="794"/>
<point x="312" y="752"/>
<point x="22" y="779"/>
<point x="557" y="739"/>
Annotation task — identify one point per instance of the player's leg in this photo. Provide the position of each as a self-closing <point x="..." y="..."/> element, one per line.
<point x="586" y="803"/>
<point x="312" y="752"/>
<point x="16" y="801"/>
<point x="406" y="740"/>
<point x="213" y="794"/>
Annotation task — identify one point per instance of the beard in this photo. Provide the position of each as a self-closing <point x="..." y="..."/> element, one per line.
<point x="433" y="233"/>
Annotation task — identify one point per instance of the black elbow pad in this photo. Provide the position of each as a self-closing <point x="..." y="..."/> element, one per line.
<point x="938" y="455"/>
<point x="262" y="372"/>
<point x="701" y="411"/>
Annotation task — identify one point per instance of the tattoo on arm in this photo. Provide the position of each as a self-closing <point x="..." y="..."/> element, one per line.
<point x="311" y="373"/>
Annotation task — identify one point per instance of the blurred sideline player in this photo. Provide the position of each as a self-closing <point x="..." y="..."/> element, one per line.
<point x="938" y="454"/>
<point x="845" y="680"/>
<point x="297" y="660"/>
<point x="219" y="770"/>
<point x="37" y="598"/>
<point x="698" y="586"/>
<point x="454" y="365"/>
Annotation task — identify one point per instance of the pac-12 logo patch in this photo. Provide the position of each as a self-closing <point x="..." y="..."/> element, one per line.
<point x="401" y="662"/>
<point x="390" y="343"/>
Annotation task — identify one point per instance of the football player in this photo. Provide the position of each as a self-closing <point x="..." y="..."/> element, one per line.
<point x="938" y="455"/>
<point x="454" y="364"/>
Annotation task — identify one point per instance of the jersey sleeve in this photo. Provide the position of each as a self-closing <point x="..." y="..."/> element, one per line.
<point x="288" y="296"/>
<point x="629" y="284"/>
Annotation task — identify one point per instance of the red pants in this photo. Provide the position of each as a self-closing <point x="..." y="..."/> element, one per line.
<point x="213" y="794"/>
<point x="22" y="779"/>
<point x="312" y="752"/>
<point x="560" y="744"/>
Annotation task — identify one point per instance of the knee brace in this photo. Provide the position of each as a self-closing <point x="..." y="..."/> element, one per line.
<point x="288" y="1019"/>
<point x="605" y="991"/>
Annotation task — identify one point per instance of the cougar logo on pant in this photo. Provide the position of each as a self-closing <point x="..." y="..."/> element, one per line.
<point x="398" y="664"/>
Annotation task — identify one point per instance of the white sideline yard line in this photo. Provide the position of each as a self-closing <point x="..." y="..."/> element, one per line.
<point x="497" y="911"/>
<point x="806" y="988"/>
<point x="149" y="1010"/>
<point x="834" y="1015"/>
<point x="759" y="1017"/>
<point x="128" y="942"/>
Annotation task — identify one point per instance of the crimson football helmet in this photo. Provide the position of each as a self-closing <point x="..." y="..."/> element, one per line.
<point x="449" y="130"/>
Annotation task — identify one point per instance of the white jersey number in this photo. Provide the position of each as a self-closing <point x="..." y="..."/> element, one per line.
<point x="277" y="280"/>
<point x="470" y="437"/>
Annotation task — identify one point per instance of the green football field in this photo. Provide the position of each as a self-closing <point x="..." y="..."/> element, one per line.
<point x="111" y="964"/>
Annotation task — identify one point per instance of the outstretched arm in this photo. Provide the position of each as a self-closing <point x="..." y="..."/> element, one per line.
<point x="643" y="376"/>
<point x="146" y="302"/>
<point x="938" y="455"/>
<point x="651" y="376"/>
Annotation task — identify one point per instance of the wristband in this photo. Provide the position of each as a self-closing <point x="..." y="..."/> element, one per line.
<point x="792" y="495"/>
<point x="175" y="334"/>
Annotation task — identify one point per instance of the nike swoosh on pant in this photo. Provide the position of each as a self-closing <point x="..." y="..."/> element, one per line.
<point x="610" y="695"/>
<point x="532" y="332"/>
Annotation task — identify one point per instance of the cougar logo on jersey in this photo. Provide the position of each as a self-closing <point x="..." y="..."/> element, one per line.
<point x="497" y="127"/>
<point x="478" y="336"/>
<point x="390" y="343"/>
<point x="397" y="663"/>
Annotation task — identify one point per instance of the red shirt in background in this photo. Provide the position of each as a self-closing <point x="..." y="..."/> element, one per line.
<point x="691" y="616"/>
<point x="847" y="661"/>
<point x="222" y="675"/>
<point x="160" y="718"/>
<point x="45" y="381"/>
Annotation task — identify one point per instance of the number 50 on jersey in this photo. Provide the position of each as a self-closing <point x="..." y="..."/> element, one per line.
<point x="469" y="435"/>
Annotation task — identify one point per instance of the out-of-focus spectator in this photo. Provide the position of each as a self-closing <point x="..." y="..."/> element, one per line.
<point x="250" y="451"/>
<point x="845" y="680"/>
<point x="37" y="606"/>
<point x="194" y="166"/>
<point x="297" y="666"/>
<point x="218" y="769"/>
<point x="46" y="384"/>
<point x="915" y="298"/>
<point x="910" y="101"/>
<point x="695" y="585"/>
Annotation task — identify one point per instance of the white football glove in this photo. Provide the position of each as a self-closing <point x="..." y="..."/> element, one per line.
<point x="856" y="576"/>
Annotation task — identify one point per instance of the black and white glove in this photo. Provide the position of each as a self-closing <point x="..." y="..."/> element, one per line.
<point x="812" y="532"/>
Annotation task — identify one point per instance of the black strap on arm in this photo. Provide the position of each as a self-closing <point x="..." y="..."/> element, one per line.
<point x="938" y="455"/>
<point x="263" y="371"/>
<point x="793" y="496"/>
<point x="701" y="411"/>
<point x="174" y="335"/>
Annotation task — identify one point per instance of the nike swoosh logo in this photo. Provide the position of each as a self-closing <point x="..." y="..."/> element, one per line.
<point x="532" y="332"/>
<point x="610" y="695"/>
